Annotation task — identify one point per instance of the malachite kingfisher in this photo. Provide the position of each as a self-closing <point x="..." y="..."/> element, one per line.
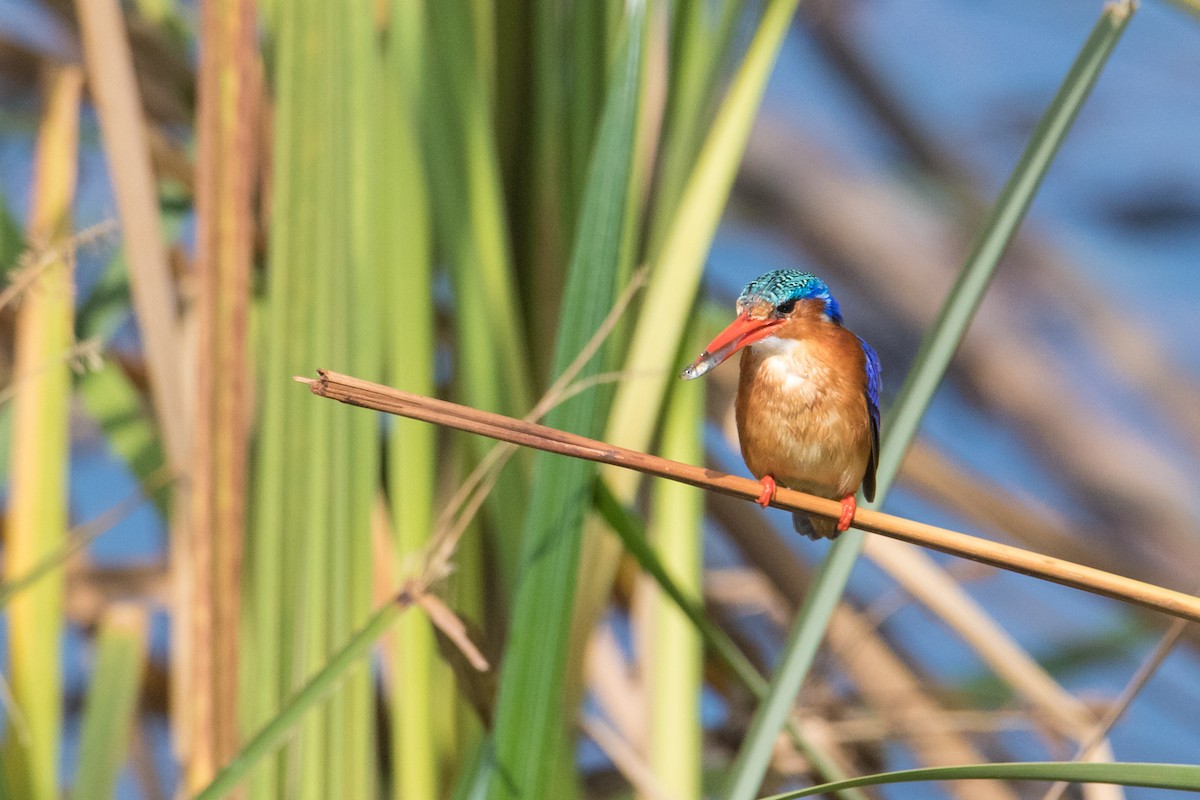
<point x="808" y="396"/>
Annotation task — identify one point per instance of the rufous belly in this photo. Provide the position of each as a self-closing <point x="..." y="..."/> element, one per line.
<point x="802" y="416"/>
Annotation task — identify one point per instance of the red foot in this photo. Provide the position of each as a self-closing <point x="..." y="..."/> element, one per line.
<point x="768" y="493"/>
<point x="849" y="506"/>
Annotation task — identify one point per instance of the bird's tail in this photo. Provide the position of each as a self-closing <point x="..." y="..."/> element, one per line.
<point x="814" y="527"/>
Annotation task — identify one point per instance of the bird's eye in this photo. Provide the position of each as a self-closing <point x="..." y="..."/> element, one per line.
<point x="786" y="307"/>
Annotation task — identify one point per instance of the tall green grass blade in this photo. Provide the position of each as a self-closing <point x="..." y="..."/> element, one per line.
<point x="676" y="271"/>
<point x="281" y="544"/>
<point x="405" y="242"/>
<point x="327" y="294"/>
<point x="271" y="514"/>
<point x="674" y="280"/>
<point x="364" y="353"/>
<point x="322" y="526"/>
<point x="587" y="47"/>
<point x="531" y="721"/>
<point x="628" y="527"/>
<point x="471" y="226"/>
<point x="468" y="202"/>
<point x="542" y="223"/>
<point x="317" y="688"/>
<point x="111" y="705"/>
<point x="12" y="243"/>
<point x="1185" y="777"/>
<point x="688" y="99"/>
<point x="929" y="367"/>
<point x="633" y="537"/>
<point x="338" y="274"/>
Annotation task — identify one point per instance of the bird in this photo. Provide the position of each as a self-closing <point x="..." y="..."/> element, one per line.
<point x="807" y="403"/>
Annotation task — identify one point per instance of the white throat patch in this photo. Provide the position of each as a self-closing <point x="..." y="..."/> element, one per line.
<point x="793" y="365"/>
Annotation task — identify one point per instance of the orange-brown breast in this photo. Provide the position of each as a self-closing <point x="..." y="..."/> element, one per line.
<point x="802" y="411"/>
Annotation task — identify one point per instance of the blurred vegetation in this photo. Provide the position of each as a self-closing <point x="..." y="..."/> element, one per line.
<point x="459" y="199"/>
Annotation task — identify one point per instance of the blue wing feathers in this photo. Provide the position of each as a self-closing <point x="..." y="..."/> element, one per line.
<point x="872" y="392"/>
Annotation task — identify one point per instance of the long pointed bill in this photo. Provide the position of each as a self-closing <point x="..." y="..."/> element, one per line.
<point x="741" y="332"/>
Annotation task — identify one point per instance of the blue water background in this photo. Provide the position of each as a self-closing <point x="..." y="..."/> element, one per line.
<point x="976" y="75"/>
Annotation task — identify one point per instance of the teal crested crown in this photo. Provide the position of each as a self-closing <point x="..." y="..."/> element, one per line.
<point x="789" y="285"/>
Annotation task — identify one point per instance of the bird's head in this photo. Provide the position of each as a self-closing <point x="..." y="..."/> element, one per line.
<point x="770" y="305"/>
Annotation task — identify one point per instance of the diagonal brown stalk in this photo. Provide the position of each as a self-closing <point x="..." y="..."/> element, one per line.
<point x="113" y="87"/>
<point x="365" y="394"/>
<point x="1090" y="745"/>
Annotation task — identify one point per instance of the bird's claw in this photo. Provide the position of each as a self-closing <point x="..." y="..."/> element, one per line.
<point x="768" y="491"/>
<point x="849" y="506"/>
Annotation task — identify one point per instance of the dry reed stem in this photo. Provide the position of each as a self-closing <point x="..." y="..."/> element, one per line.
<point x="112" y="82"/>
<point x="114" y="90"/>
<point x="614" y="685"/>
<point x="877" y="730"/>
<point x="925" y="580"/>
<point x="219" y="456"/>
<point x="900" y="698"/>
<point x="1090" y="747"/>
<point x="624" y="757"/>
<point x="365" y="394"/>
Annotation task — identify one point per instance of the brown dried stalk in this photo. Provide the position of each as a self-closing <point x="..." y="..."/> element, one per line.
<point x="353" y="391"/>
<point x="112" y="83"/>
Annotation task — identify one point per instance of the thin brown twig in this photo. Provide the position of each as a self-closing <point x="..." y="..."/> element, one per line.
<point x="467" y="500"/>
<point x="34" y="261"/>
<point x="354" y="391"/>
<point x="449" y="623"/>
<point x="475" y="489"/>
<point x="1095" y="737"/>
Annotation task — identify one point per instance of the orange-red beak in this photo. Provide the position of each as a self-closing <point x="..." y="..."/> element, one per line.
<point x="741" y="332"/>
